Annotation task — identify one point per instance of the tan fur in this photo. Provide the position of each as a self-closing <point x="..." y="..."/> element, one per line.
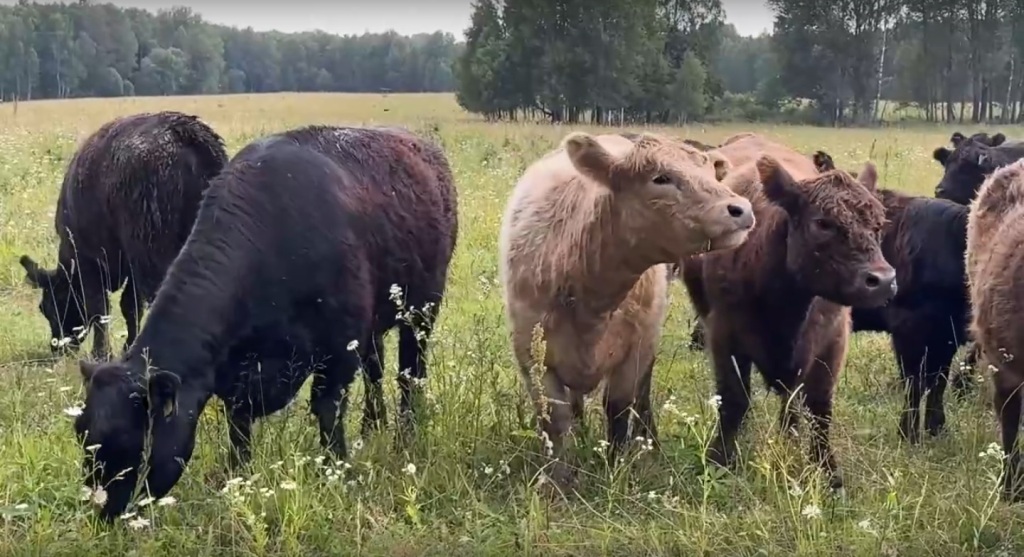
<point x="745" y="148"/>
<point x="583" y="247"/>
<point x="994" y="262"/>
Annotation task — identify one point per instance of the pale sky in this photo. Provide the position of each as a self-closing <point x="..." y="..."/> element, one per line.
<point x="404" y="16"/>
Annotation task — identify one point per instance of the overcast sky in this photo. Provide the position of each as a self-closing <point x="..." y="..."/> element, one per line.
<point x="404" y="16"/>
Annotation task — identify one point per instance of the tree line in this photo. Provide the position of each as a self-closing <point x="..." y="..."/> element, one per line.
<point x="84" y="49"/>
<point x="831" y="62"/>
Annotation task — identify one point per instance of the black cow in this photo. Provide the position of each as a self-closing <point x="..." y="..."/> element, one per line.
<point x="971" y="160"/>
<point x="127" y="204"/>
<point x="298" y="250"/>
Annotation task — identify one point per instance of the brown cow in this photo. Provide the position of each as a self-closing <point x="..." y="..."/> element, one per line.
<point x="584" y="244"/>
<point x="995" y="231"/>
<point x="780" y="301"/>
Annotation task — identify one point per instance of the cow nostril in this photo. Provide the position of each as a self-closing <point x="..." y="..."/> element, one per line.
<point x="872" y="281"/>
<point x="735" y="211"/>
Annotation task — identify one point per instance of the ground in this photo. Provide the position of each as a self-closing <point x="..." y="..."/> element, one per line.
<point x="467" y="486"/>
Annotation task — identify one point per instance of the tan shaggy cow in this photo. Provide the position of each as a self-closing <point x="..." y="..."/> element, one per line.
<point x="584" y="244"/>
<point x="994" y="263"/>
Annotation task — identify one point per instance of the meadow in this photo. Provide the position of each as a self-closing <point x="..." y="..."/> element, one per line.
<point x="468" y="484"/>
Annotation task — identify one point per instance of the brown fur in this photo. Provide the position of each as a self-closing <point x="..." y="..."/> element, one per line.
<point x="994" y="260"/>
<point x="583" y="247"/>
<point x="779" y="301"/>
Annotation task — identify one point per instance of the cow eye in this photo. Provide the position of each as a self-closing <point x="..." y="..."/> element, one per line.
<point x="824" y="225"/>
<point x="662" y="179"/>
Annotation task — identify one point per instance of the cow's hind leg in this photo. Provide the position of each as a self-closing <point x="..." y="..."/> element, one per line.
<point x="239" y="420"/>
<point x="413" y="338"/>
<point x="374" y="410"/>
<point x="132" y="304"/>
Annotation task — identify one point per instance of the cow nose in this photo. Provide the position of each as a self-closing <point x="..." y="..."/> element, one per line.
<point x="881" y="281"/>
<point x="742" y="212"/>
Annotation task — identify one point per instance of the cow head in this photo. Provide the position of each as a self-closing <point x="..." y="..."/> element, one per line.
<point x="966" y="166"/>
<point x="63" y="309"/>
<point x="131" y="412"/>
<point x="666" y="195"/>
<point x="834" y="233"/>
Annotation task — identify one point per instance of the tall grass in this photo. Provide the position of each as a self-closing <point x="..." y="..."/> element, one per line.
<point x="468" y="484"/>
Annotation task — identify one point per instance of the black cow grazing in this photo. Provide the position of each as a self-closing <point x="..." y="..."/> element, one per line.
<point x="298" y="250"/>
<point x="971" y="160"/>
<point x="127" y="204"/>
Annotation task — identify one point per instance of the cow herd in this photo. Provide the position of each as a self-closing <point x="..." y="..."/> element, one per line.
<point x="297" y="255"/>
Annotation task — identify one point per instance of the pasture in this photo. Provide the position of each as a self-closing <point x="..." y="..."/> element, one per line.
<point x="468" y="485"/>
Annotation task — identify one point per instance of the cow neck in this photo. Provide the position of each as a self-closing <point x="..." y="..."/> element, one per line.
<point x="608" y="278"/>
<point x="189" y="324"/>
<point x="775" y="283"/>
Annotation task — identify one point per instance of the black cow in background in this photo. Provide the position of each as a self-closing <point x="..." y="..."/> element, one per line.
<point x="300" y="249"/>
<point x="127" y="204"/>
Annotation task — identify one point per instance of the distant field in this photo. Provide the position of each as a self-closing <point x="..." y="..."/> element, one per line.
<point x="471" y="487"/>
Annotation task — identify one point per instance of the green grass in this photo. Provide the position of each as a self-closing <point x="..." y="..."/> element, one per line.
<point x="473" y="489"/>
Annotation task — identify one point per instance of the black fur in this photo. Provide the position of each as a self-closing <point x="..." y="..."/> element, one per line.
<point x="127" y="204"/>
<point x="291" y="262"/>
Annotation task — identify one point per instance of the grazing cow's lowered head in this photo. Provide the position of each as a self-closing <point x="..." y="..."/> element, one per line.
<point x="655" y="181"/>
<point x="834" y="229"/>
<point x="62" y="307"/>
<point x="966" y="166"/>
<point x="124" y="404"/>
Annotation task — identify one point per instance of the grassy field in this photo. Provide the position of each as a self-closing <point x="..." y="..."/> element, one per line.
<point x="467" y="486"/>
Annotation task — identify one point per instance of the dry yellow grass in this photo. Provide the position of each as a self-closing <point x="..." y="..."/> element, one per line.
<point x="469" y="488"/>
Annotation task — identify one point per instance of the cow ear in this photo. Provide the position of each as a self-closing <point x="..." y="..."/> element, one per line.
<point x="779" y="186"/>
<point x="997" y="140"/>
<point x="956" y="139"/>
<point x="87" y="369"/>
<point x="34" y="275"/>
<point x="163" y="391"/>
<point x="588" y="156"/>
<point x="869" y="177"/>
<point x="823" y="161"/>
<point x="721" y="164"/>
<point x="941" y="154"/>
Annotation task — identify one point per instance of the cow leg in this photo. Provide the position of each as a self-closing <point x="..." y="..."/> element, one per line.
<point x="94" y="282"/>
<point x="623" y="395"/>
<point x="374" y="411"/>
<point x="911" y="357"/>
<point x="132" y="303"/>
<point x="554" y="416"/>
<point x="732" y="380"/>
<point x="1007" y="403"/>
<point x="329" y="397"/>
<point x="697" y="336"/>
<point x="963" y="378"/>
<point x="412" y="364"/>
<point x="239" y="420"/>
<point x="940" y="356"/>
<point x="819" y="388"/>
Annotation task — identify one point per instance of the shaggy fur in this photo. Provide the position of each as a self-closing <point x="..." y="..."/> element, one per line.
<point x="291" y="263"/>
<point x="779" y="301"/>
<point x="994" y="260"/>
<point x="971" y="160"/>
<point x="584" y="244"/>
<point x="127" y="204"/>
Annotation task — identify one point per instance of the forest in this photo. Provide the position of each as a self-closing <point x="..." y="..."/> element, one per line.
<point x="827" y="62"/>
<point x="100" y="50"/>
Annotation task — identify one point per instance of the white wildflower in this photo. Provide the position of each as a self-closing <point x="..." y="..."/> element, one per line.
<point x="138" y="523"/>
<point x="288" y="485"/>
<point x="353" y="345"/>
<point x="812" y="511"/>
<point x="357" y="444"/>
<point x="146" y="502"/>
<point x="73" y="411"/>
<point x="715" y="401"/>
<point x="99" y="497"/>
<point x="166" y="501"/>
<point x="410" y="469"/>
